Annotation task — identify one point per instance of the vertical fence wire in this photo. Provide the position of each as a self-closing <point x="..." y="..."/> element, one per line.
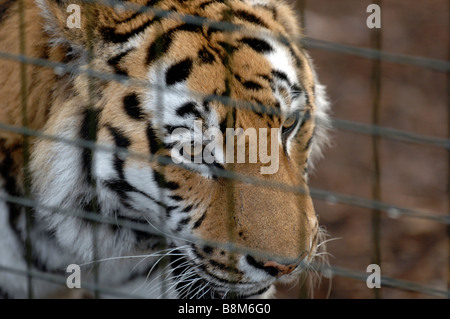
<point x="230" y="124"/>
<point x="163" y="244"/>
<point x="448" y="150"/>
<point x="376" y="40"/>
<point x="91" y="134"/>
<point x="26" y="143"/>
<point x="300" y="7"/>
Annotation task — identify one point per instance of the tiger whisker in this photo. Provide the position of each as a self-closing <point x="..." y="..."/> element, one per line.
<point x="155" y="254"/>
<point x="328" y="240"/>
<point x="154" y="265"/>
<point x="167" y="234"/>
<point x="186" y="273"/>
<point x="164" y="270"/>
<point x="175" y="280"/>
<point x="200" y="289"/>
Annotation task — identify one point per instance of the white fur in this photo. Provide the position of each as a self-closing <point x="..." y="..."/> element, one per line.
<point x="59" y="182"/>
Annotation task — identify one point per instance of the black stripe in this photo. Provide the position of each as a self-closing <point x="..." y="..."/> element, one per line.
<point x="115" y="60"/>
<point x="281" y="75"/>
<point x="229" y="48"/>
<point x="179" y="72"/>
<point x="182" y="224"/>
<point x="171" y="128"/>
<point x="199" y="221"/>
<point x="122" y="187"/>
<point x="265" y="77"/>
<point x="16" y="212"/>
<point x="152" y="3"/>
<point x="169" y="210"/>
<point x="258" y="45"/>
<point x="162" y="43"/>
<point x="308" y="144"/>
<point x="223" y="125"/>
<point x="131" y="105"/>
<point x="4" y="7"/>
<point x="188" y="109"/>
<point x="298" y="61"/>
<point x="187" y="209"/>
<point x="161" y="181"/>
<point x="295" y="88"/>
<point x="88" y="132"/>
<point x="122" y="141"/>
<point x="110" y="34"/>
<point x="250" y="17"/>
<point x="7" y="172"/>
<point x="207" y="3"/>
<point x="250" y="85"/>
<point x="219" y="265"/>
<point x="149" y="3"/>
<point x="206" y="56"/>
<point x="177" y="198"/>
<point x="153" y="141"/>
<point x="159" y="47"/>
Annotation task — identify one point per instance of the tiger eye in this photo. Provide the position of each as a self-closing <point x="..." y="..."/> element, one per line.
<point x="290" y="121"/>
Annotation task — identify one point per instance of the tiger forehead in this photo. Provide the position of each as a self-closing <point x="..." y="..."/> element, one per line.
<point x="162" y="34"/>
<point x="263" y="14"/>
<point x="213" y="61"/>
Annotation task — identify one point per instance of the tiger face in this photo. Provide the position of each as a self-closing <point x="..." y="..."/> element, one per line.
<point x="184" y="81"/>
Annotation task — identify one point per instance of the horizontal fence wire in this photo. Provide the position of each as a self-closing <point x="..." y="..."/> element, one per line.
<point x="330" y="197"/>
<point x="391" y="133"/>
<point x="61" y="280"/>
<point x="341" y="124"/>
<point x="328" y="270"/>
<point x="373" y="54"/>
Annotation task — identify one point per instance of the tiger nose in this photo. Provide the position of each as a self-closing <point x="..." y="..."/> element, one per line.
<point x="272" y="267"/>
<point x="277" y="270"/>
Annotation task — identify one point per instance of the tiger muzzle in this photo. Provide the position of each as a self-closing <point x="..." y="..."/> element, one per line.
<point x="274" y="227"/>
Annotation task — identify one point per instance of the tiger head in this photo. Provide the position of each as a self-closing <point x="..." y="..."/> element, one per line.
<point x="180" y="91"/>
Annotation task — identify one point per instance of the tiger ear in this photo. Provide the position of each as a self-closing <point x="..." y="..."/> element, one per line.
<point x="288" y="19"/>
<point x="64" y="21"/>
<point x="76" y="22"/>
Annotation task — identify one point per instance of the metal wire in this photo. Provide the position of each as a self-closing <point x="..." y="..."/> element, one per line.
<point x="328" y="196"/>
<point x="329" y="271"/>
<point x="340" y="124"/>
<point x="376" y="39"/>
<point x="368" y="53"/>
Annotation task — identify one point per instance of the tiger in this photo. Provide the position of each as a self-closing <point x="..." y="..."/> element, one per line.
<point x="106" y="101"/>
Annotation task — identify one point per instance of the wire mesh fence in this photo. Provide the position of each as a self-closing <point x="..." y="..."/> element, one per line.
<point x="375" y="205"/>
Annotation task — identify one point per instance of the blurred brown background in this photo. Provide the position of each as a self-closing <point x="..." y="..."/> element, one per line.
<point x="413" y="99"/>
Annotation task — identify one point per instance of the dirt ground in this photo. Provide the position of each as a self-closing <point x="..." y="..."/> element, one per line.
<point x="413" y="99"/>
